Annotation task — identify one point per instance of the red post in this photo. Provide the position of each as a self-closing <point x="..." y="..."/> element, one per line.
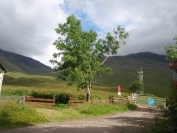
<point x="119" y="90"/>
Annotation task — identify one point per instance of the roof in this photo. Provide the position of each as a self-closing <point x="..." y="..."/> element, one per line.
<point x="2" y="68"/>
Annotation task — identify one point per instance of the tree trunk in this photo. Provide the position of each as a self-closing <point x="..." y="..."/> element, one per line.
<point x="88" y="92"/>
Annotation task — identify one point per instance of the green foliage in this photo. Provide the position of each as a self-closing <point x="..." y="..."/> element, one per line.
<point x="131" y="106"/>
<point x="81" y="97"/>
<point x="168" y="123"/>
<point x="171" y="51"/>
<point x="18" y="92"/>
<point x="157" y="127"/>
<point x="136" y="86"/>
<point x="80" y="52"/>
<point x="171" y="113"/>
<point x="96" y="97"/>
<point x="61" y="106"/>
<point x="61" y="97"/>
<point x="13" y="114"/>
<point x="99" y="109"/>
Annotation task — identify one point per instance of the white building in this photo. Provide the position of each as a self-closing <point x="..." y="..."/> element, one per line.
<point x="2" y="71"/>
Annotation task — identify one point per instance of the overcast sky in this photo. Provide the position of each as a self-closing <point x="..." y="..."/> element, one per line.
<point x="27" y="26"/>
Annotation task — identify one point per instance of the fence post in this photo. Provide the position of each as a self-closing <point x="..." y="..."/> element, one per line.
<point x="54" y="98"/>
<point x="23" y="98"/>
<point x="68" y="103"/>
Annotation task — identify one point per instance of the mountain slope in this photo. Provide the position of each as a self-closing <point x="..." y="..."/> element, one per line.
<point x="16" y="62"/>
<point x="156" y="72"/>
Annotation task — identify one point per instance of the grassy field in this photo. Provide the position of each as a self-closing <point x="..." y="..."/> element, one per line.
<point x="16" y="80"/>
<point x="102" y="87"/>
<point x="20" y="81"/>
<point x="15" y="115"/>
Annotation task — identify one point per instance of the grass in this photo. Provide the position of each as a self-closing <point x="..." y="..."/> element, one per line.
<point x="156" y="82"/>
<point x="19" y="81"/>
<point x="15" y="115"/>
<point x="62" y="113"/>
<point x="143" y="100"/>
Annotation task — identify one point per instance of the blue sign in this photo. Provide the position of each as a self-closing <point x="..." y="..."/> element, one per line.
<point x="151" y="101"/>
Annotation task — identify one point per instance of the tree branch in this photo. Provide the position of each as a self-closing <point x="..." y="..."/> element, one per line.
<point x="105" y="60"/>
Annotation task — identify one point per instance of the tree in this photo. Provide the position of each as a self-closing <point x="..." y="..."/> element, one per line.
<point x="171" y="51"/>
<point x="81" y="51"/>
<point x="136" y="86"/>
<point x="170" y="122"/>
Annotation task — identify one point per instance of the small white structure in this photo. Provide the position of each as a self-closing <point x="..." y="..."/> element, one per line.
<point x="2" y="71"/>
<point x="140" y="76"/>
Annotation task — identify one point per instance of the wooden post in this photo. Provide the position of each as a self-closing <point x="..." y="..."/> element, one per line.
<point x="23" y="98"/>
<point x="112" y="100"/>
<point x="53" y="98"/>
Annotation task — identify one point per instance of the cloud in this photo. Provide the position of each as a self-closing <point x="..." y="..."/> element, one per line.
<point x="151" y="24"/>
<point x="27" y="27"/>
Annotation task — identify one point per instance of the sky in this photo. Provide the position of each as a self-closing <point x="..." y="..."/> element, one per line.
<point x="27" y="27"/>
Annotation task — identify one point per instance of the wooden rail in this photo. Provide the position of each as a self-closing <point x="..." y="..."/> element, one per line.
<point x="40" y="102"/>
<point x="77" y="102"/>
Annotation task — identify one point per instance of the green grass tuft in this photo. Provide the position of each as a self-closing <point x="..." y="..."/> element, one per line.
<point x="131" y="106"/>
<point x="14" y="115"/>
<point x="100" y="109"/>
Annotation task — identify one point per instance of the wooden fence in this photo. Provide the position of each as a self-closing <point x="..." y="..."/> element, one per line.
<point x="143" y="100"/>
<point x="140" y="100"/>
<point x="40" y="102"/>
<point x="72" y="103"/>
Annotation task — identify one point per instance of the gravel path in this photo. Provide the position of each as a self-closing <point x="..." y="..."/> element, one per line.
<point x="126" y="122"/>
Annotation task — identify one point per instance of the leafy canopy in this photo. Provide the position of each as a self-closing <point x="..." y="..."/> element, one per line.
<point x="171" y="51"/>
<point x="136" y="85"/>
<point x="80" y="52"/>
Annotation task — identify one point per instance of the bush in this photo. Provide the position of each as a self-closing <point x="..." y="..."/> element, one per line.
<point x="168" y="123"/>
<point x="131" y="106"/>
<point x="81" y="97"/>
<point x="99" y="109"/>
<point x="13" y="115"/>
<point x="60" y="97"/>
<point x="19" y="92"/>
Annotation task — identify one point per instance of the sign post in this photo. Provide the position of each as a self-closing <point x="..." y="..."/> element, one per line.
<point x="119" y="90"/>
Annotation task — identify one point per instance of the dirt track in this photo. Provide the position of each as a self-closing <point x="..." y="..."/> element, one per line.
<point x="126" y="122"/>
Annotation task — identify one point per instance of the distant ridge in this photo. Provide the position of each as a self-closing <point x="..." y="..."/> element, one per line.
<point x="15" y="62"/>
<point x="156" y="71"/>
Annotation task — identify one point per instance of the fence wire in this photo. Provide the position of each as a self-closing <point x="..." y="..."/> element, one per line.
<point x="6" y="98"/>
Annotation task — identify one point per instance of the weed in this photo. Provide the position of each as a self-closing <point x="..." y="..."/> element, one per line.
<point x="13" y="115"/>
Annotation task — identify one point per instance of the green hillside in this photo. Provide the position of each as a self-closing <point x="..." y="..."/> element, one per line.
<point x="19" y="63"/>
<point x="156" y="72"/>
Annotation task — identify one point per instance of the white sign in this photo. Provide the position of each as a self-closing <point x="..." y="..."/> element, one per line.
<point x="119" y="93"/>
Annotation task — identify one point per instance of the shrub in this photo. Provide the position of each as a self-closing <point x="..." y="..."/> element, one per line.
<point x="13" y="114"/>
<point x="168" y="123"/>
<point x="131" y="106"/>
<point x="62" y="98"/>
<point x="81" y="97"/>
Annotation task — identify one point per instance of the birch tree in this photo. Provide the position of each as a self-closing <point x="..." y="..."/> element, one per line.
<point x="81" y="51"/>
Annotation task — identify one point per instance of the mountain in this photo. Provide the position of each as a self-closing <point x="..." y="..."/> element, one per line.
<point x="16" y="62"/>
<point x="156" y="72"/>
